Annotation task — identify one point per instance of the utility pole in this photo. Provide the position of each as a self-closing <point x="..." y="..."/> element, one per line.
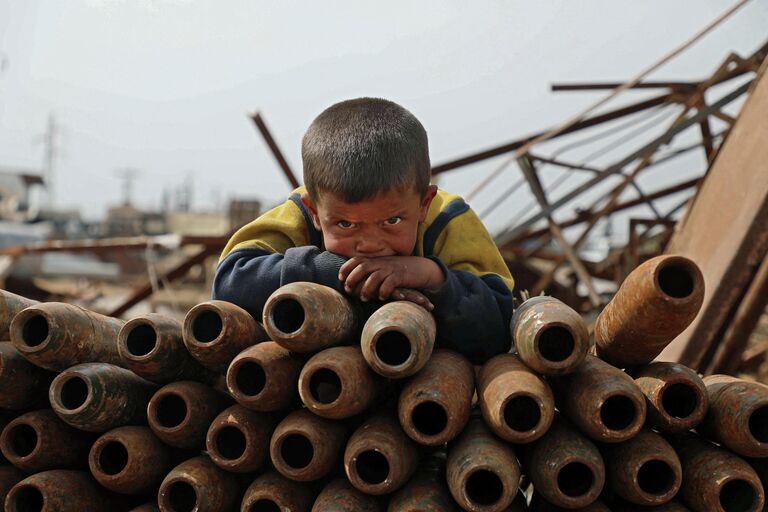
<point x="128" y="175"/>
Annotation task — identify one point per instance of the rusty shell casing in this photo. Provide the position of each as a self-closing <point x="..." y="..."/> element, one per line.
<point x="98" y="397"/>
<point x="306" y="447"/>
<point x="130" y="460"/>
<point x="398" y="339"/>
<point x="654" y="304"/>
<point x="264" y="377"/>
<point x="379" y="457"/>
<point x="341" y="496"/>
<point x="180" y="413"/>
<point x="337" y="383"/>
<point x="517" y="404"/>
<point x="58" y="490"/>
<point x="434" y="405"/>
<point x="9" y="476"/>
<point x="308" y="317"/>
<point x="539" y="504"/>
<point x="22" y="384"/>
<point x="216" y="331"/>
<point x="565" y="467"/>
<point x="55" y="336"/>
<point x="272" y="491"/>
<point x="737" y="415"/>
<point x="550" y="337"/>
<point x="152" y="347"/>
<point x="147" y="507"/>
<point x="10" y="305"/>
<point x="238" y="439"/>
<point x="200" y="485"/>
<point x="482" y="472"/>
<point x="423" y="493"/>
<point x="39" y="441"/>
<point x="715" y="480"/>
<point x="644" y="470"/>
<point x="675" y="396"/>
<point x="603" y="401"/>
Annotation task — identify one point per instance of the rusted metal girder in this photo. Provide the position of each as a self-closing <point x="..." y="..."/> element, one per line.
<point x="238" y="439"/>
<point x="273" y="147"/>
<point x="263" y="377"/>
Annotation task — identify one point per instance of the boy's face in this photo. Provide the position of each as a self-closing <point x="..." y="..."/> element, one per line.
<point x="385" y="225"/>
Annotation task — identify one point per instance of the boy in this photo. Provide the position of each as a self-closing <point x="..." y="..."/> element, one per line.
<point x="370" y="225"/>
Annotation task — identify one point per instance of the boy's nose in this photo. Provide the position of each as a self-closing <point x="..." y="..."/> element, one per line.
<point x="368" y="246"/>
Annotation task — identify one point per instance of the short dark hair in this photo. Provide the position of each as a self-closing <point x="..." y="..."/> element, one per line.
<point x="359" y="148"/>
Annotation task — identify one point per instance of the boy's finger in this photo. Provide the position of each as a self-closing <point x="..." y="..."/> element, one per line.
<point x="348" y="266"/>
<point x="357" y="275"/>
<point x="372" y="284"/>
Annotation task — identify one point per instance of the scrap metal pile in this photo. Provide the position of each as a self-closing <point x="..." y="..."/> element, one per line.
<point x="221" y="413"/>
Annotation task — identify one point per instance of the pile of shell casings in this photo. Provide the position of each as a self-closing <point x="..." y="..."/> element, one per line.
<point x="321" y="408"/>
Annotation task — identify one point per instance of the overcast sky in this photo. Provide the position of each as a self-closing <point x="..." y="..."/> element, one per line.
<point x="166" y="86"/>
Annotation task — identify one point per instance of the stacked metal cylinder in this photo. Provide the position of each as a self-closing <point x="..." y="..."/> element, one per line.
<point x="320" y="409"/>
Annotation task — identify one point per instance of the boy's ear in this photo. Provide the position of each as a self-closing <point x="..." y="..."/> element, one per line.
<point x="312" y="209"/>
<point x="429" y="195"/>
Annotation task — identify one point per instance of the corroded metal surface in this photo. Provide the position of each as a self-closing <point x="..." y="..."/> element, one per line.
<point x="216" y="331"/>
<point x="180" y="413"/>
<point x="10" y="305"/>
<point x="238" y="439"/>
<point x="337" y="383"/>
<point x="22" y="384"/>
<point x="654" y="304"/>
<point x="644" y="470"/>
<point x="130" y="460"/>
<point x="737" y="415"/>
<point x="670" y="506"/>
<point x="151" y="346"/>
<point x="565" y="467"/>
<point x="306" y="447"/>
<point x="675" y="396"/>
<point x="55" y="336"/>
<point x="398" y="339"/>
<point x="715" y="480"/>
<point x="379" y="457"/>
<point x="307" y="317"/>
<point x="98" y="397"/>
<point x="434" y="405"/>
<point x="424" y="493"/>
<point x="539" y="504"/>
<point x="264" y="377"/>
<point x="604" y="402"/>
<point x="340" y="496"/>
<point x="549" y="336"/>
<point x="198" y="484"/>
<point x="147" y="507"/>
<point x="482" y="472"/>
<point x="9" y="476"/>
<point x="58" y="490"/>
<point x="39" y="440"/>
<point x="517" y="404"/>
<point x="272" y="491"/>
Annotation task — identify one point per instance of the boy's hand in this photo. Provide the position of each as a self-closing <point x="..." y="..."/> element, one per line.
<point x="380" y="277"/>
<point x="414" y="296"/>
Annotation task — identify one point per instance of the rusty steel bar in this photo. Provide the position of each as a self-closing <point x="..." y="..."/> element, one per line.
<point x="604" y="402"/>
<point x="130" y="460"/>
<point x="273" y="492"/>
<point x="180" y="413"/>
<point x="216" y="331"/>
<point x="152" y="347"/>
<point x="22" y="384"/>
<point x="39" y="441"/>
<point x="337" y="383"/>
<point x="644" y="470"/>
<point x="715" y="480"/>
<point x="263" y="377"/>
<point x="565" y="467"/>
<point x="55" y="336"/>
<point x="10" y="305"/>
<point x="379" y="458"/>
<point x="238" y="439"/>
<point x="308" y="317"/>
<point x="9" y="476"/>
<point x="434" y="405"/>
<point x="58" y="490"/>
<point x="517" y="404"/>
<point x="198" y="484"/>
<point x="675" y="396"/>
<point x="654" y="304"/>
<point x="398" y="339"/>
<point x="340" y="496"/>
<point x="549" y="336"/>
<point x="98" y="397"/>
<point x="275" y="149"/>
<point x="482" y="472"/>
<point x="737" y="415"/>
<point x="306" y="447"/>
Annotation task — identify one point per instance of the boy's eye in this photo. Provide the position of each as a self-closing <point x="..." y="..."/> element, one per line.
<point x="393" y="221"/>
<point x="344" y="224"/>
